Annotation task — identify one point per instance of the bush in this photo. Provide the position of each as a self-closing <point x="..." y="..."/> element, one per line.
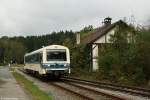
<point x="125" y="62"/>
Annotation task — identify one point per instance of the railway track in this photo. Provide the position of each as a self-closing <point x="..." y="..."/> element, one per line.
<point x="134" y="93"/>
<point x="127" y="89"/>
<point x="69" y="90"/>
<point x="82" y="91"/>
<point x="85" y="92"/>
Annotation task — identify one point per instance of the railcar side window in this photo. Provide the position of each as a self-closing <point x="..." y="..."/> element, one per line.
<point x="34" y="58"/>
<point x="56" y="55"/>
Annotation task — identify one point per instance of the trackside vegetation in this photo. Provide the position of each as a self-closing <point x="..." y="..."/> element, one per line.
<point x="124" y="62"/>
<point x="33" y="90"/>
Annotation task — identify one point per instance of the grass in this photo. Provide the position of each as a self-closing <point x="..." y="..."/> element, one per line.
<point x="85" y="74"/>
<point x="96" y="76"/>
<point x="33" y="90"/>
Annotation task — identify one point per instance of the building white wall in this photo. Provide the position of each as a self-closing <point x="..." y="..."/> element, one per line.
<point x="78" y="38"/>
<point x="106" y="38"/>
<point x="103" y="39"/>
<point x="94" y="57"/>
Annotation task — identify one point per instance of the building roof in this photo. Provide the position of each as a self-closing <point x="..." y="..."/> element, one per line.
<point x="99" y="32"/>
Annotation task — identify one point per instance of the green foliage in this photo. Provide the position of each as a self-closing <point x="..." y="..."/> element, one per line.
<point x="79" y="58"/>
<point x="87" y="29"/>
<point x="11" y="51"/>
<point x="126" y="61"/>
<point x="142" y="58"/>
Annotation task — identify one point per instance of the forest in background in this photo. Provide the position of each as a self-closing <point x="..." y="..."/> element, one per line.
<point x="12" y="49"/>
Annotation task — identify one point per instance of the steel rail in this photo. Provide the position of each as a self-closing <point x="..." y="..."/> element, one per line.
<point x="134" y="90"/>
<point x="71" y="91"/>
<point x="114" y="97"/>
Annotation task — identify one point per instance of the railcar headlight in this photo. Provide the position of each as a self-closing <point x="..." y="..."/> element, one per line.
<point x="66" y="65"/>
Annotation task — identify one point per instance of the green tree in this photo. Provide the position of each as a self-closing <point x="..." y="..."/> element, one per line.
<point x="14" y="52"/>
<point x="116" y="60"/>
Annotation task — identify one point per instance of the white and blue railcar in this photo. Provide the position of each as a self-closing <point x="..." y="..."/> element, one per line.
<point x="50" y="60"/>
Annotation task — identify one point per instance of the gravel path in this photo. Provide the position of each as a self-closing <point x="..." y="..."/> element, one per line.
<point x="9" y="88"/>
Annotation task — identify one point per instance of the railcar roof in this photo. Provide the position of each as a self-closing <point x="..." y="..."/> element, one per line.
<point x="46" y="47"/>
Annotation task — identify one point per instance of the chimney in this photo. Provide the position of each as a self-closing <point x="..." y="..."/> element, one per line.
<point x="78" y="38"/>
<point x="107" y="21"/>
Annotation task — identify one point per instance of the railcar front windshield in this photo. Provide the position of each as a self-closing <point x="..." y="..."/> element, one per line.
<point x="56" y="55"/>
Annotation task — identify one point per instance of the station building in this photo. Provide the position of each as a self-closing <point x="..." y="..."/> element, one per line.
<point x="98" y="37"/>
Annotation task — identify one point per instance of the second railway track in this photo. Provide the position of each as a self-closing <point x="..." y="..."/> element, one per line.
<point x="127" y="89"/>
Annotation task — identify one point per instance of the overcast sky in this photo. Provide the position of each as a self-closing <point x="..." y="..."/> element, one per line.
<point x="33" y="17"/>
